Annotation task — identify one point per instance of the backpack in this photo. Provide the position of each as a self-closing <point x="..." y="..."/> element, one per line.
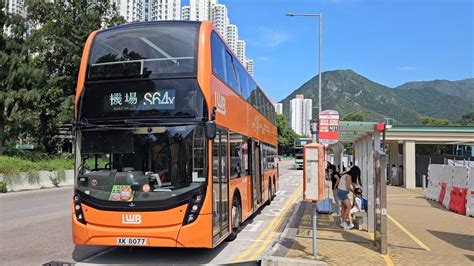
<point x="365" y="204"/>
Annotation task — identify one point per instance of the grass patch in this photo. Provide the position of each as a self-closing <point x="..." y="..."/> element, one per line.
<point x="11" y="166"/>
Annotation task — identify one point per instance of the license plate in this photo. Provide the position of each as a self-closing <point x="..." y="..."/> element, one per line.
<point x="131" y="241"/>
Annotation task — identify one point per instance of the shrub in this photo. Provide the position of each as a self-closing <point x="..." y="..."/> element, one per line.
<point x="3" y="187"/>
<point x="55" y="180"/>
<point x="11" y="166"/>
<point x="33" y="177"/>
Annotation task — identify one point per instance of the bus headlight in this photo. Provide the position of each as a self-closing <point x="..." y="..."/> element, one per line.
<point x="194" y="206"/>
<point x="78" y="209"/>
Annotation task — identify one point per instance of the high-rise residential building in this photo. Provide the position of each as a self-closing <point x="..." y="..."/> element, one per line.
<point x="241" y="50"/>
<point x="232" y="37"/>
<point x="279" y="108"/>
<point x="16" y="7"/>
<point x="249" y="65"/>
<point x="220" y="18"/>
<point x="148" y="10"/>
<point x="186" y="13"/>
<point x="163" y="9"/>
<point x="211" y="10"/>
<point x="130" y="10"/>
<point x="301" y="115"/>
<point x="201" y="10"/>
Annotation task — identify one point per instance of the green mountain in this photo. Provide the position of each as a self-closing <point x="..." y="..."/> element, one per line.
<point x="346" y="91"/>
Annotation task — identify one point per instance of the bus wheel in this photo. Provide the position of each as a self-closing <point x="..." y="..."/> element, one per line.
<point x="236" y="220"/>
<point x="270" y="194"/>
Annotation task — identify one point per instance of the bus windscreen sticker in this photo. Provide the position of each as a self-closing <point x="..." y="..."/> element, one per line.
<point x="140" y="101"/>
<point x="121" y="193"/>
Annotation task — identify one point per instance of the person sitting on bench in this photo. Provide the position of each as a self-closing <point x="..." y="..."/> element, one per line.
<point x="358" y="205"/>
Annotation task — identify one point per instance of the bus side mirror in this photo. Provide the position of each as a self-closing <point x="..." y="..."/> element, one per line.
<point x="210" y="130"/>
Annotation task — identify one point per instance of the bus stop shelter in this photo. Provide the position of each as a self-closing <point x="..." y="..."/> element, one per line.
<point x="369" y="156"/>
<point x="368" y="153"/>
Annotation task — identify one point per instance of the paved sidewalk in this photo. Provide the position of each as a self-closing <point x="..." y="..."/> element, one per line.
<point x="420" y="232"/>
<point x="448" y="236"/>
<point x="336" y="246"/>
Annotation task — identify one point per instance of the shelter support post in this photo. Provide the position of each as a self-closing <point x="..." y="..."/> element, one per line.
<point x="409" y="162"/>
<point x="393" y="147"/>
<point x="370" y="141"/>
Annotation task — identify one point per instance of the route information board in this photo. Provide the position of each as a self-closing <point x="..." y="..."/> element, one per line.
<point x="328" y="127"/>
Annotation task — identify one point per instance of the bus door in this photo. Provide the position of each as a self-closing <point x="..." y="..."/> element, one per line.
<point x="220" y="197"/>
<point x="256" y="174"/>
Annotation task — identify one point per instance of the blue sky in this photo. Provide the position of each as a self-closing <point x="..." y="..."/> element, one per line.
<point x="388" y="41"/>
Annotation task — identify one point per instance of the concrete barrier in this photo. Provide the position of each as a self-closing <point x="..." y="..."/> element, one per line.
<point x="37" y="180"/>
<point x="452" y="187"/>
<point x="470" y="193"/>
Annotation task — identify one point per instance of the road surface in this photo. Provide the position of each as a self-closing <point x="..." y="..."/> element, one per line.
<point x="35" y="228"/>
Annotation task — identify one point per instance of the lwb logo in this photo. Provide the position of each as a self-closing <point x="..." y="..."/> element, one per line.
<point x="131" y="219"/>
<point x="220" y="103"/>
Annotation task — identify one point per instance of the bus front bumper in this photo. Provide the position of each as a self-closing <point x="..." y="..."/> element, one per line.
<point x="195" y="235"/>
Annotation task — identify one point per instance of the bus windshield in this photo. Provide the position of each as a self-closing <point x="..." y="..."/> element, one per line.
<point x="141" y="164"/>
<point x="146" y="50"/>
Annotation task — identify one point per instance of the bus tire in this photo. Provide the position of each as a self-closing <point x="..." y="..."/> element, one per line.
<point x="270" y="193"/>
<point x="236" y="219"/>
<point x="274" y="189"/>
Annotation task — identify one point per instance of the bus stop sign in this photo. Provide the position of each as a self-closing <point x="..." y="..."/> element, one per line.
<point x="328" y="132"/>
<point x="313" y="172"/>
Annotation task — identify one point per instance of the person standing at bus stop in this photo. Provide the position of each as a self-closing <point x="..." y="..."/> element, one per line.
<point x="344" y="186"/>
<point x="335" y="177"/>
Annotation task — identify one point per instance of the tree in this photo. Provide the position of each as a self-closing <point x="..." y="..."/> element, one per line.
<point x="39" y="62"/>
<point x="353" y="116"/>
<point x="467" y="119"/>
<point x="19" y="77"/>
<point x="430" y="121"/>
<point x="286" y="135"/>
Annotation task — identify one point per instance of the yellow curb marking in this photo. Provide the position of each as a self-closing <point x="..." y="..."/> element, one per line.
<point x="270" y="226"/>
<point x="275" y="229"/>
<point x="421" y="244"/>
<point x="388" y="260"/>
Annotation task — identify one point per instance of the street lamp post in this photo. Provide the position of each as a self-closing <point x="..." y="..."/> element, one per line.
<point x="320" y="17"/>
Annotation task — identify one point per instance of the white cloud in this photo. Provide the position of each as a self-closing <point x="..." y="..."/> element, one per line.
<point x="271" y="38"/>
<point x="264" y="58"/>
<point x="407" y="68"/>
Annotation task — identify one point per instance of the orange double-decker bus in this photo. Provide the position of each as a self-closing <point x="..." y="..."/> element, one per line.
<point x="176" y="144"/>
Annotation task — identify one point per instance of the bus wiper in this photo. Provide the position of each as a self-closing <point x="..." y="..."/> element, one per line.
<point x="87" y="125"/>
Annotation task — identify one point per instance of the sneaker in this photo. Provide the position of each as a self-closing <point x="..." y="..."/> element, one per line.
<point x="343" y="224"/>
<point x="335" y="214"/>
<point x="349" y="227"/>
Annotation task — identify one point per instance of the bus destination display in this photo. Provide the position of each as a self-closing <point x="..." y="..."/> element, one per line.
<point x="128" y="100"/>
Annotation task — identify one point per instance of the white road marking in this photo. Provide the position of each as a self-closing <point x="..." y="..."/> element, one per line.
<point x="253" y="226"/>
<point x="273" y="212"/>
<point x="280" y="192"/>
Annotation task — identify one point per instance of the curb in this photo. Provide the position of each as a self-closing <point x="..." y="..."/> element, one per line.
<point x="288" y="235"/>
<point x="277" y="261"/>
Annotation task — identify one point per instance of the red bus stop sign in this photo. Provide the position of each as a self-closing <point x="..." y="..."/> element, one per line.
<point x="328" y="127"/>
